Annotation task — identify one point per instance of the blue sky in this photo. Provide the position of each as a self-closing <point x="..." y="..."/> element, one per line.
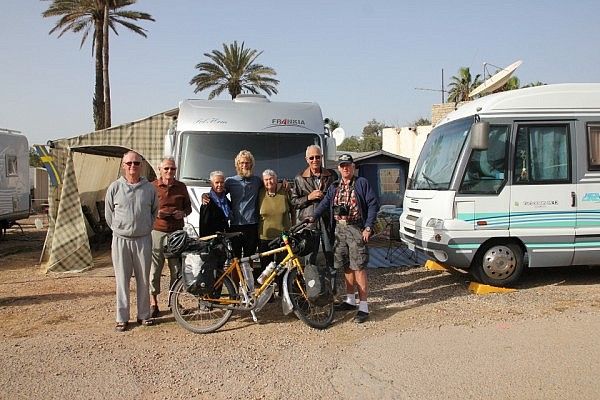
<point x="358" y="59"/>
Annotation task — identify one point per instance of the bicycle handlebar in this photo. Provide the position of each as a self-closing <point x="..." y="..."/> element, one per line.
<point x="294" y="229"/>
<point x="300" y="225"/>
<point x="229" y="235"/>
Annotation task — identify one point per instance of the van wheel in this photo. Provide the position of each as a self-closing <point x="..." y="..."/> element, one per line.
<point x="498" y="264"/>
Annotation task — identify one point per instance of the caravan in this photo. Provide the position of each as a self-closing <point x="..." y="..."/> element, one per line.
<point x="14" y="178"/>
<point x="210" y="133"/>
<point x="510" y="180"/>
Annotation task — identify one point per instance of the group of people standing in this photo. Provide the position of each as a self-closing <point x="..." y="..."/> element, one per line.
<point x="142" y="214"/>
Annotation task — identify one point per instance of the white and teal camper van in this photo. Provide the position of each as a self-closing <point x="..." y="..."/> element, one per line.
<point x="510" y="180"/>
<point x="210" y="133"/>
<point x="14" y="178"/>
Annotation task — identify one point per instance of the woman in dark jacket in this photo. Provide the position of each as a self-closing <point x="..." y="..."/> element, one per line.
<point x="214" y="216"/>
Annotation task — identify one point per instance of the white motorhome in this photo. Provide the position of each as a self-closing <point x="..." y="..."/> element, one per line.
<point x="510" y="180"/>
<point x="210" y="133"/>
<point x="14" y="178"/>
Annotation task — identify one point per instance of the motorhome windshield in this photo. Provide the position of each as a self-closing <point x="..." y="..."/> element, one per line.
<point x="439" y="155"/>
<point x="203" y="152"/>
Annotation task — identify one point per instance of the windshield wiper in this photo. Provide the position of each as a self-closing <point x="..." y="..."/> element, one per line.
<point x="429" y="181"/>
<point x="189" y="178"/>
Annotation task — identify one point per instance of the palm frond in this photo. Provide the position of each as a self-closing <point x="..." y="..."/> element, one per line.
<point x="234" y="68"/>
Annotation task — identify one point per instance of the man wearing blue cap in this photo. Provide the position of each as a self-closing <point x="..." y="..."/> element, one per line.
<point x="353" y="208"/>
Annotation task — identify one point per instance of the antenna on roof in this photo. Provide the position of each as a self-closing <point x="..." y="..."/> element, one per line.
<point x="437" y="90"/>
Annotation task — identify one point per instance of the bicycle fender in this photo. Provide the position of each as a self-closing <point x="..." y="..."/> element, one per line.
<point x="286" y="302"/>
<point x="172" y="289"/>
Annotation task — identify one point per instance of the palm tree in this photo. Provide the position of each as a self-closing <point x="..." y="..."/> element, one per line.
<point x="96" y="16"/>
<point x="234" y="69"/>
<point x="333" y="125"/>
<point x="462" y="85"/>
<point x="511" y="84"/>
<point x="536" y="83"/>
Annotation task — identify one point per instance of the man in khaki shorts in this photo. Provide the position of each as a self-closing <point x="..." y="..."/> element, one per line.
<point x="353" y="208"/>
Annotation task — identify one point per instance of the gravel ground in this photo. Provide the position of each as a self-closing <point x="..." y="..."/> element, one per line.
<point x="428" y="337"/>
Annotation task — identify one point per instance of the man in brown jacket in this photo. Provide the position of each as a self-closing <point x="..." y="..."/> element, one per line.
<point x="174" y="206"/>
<point x="310" y="186"/>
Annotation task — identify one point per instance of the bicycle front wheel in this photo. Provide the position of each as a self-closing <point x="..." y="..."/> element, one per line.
<point x="198" y="315"/>
<point x="319" y="317"/>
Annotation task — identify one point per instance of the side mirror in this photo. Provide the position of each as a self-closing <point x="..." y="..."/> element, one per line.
<point x="331" y="147"/>
<point x="480" y="133"/>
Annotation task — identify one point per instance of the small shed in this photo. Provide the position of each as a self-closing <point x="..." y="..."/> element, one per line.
<point x="386" y="172"/>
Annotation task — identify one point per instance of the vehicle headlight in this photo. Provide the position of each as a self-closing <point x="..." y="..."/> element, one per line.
<point x="435" y="223"/>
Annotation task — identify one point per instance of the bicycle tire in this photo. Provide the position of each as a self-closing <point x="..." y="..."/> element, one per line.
<point x="318" y="317"/>
<point x="198" y="315"/>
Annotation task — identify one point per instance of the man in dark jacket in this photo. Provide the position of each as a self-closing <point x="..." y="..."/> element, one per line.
<point x="353" y="206"/>
<point x="309" y="189"/>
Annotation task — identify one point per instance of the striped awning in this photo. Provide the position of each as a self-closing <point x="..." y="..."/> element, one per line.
<point x="67" y="247"/>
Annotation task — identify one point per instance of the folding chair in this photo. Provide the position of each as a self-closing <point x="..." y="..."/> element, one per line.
<point x="397" y="248"/>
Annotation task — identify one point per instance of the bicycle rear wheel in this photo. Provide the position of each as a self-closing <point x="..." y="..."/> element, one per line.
<point x="198" y="315"/>
<point x="319" y="317"/>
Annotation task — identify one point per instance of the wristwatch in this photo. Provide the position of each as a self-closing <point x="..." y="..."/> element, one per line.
<point x="368" y="229"/>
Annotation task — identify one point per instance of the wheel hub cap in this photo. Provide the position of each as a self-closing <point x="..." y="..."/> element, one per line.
<point x="499" y="262"/>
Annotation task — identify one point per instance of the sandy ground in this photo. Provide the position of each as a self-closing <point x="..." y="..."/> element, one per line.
<point x="428" y="337"/>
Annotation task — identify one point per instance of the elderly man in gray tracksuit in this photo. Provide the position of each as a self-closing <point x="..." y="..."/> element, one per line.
<point x="131" y="208"/>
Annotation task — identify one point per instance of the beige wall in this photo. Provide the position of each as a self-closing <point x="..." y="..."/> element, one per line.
<point x="406" y="142"/>
<point x="439" y="111"/>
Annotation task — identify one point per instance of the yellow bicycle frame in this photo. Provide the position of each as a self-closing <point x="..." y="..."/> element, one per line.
<point x="234" y="271"/>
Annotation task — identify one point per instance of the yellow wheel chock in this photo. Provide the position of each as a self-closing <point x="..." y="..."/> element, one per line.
<point x="480" y="288"/>
<point x="474" y="287"/>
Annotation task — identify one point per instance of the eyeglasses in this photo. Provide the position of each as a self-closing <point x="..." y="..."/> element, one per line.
<point x="170" y="168"/>
<point x="136" y="163"/>
<point x="314" y="157"/>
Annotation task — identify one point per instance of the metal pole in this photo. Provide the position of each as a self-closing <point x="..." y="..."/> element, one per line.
<point x="443" y="101"/>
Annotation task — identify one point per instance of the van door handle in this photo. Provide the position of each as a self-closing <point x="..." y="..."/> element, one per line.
<point x="573" y="199"/>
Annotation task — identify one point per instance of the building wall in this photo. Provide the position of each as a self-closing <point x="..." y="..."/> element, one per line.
<point x="406" y="142"/>
<point x="439" y="111"/>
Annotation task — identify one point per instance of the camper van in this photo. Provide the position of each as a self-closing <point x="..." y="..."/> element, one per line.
<point x="509" y="181"/>
<point x="14" y="178"/>
<point x="210" y="133"/>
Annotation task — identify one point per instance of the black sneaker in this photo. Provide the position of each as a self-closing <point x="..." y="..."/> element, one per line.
<point x="344" y="306"/>
<point x="361" y="317"/>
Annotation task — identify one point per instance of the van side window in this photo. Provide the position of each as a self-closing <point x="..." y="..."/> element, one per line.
<point x="11" y="166"/>
<point x="593" y="131"/>
<point x="486" y="169"/>
<point x="542" y="155"/>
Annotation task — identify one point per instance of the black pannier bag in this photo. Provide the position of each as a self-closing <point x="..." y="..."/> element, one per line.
<point x="318" y="285"/>
<point x="305" y="242"/>
<point x="200" y="271"/>
<point x="202" y="261"/>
